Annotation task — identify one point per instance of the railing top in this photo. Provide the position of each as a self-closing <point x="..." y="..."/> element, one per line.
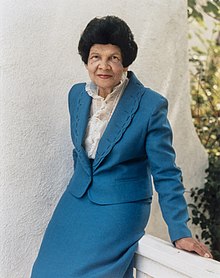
<point x="186" y="263"/>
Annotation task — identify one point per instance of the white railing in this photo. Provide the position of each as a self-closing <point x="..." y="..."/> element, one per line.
<point x="159" y="259"/>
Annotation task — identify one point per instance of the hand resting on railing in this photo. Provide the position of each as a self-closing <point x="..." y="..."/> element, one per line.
<point x="193" y="245"/>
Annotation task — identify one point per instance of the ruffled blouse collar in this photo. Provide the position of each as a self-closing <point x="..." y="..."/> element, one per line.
<point x="92" y="89"/>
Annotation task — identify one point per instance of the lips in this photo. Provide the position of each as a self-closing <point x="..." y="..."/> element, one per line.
<point x="104" y="76"/>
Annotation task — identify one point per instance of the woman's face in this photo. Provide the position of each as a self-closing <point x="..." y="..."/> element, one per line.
<point x="105" y="67"/>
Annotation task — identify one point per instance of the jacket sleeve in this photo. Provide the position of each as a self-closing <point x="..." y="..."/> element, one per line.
<point x="167" y="176"/>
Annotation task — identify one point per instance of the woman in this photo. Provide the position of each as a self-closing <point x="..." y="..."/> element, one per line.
<point x="121" y="136"/>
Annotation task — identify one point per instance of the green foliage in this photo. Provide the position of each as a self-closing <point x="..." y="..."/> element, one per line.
<point x="193" y="11"/>
<point x="196" y="11"/>
<point x="205" y="107"/>
<point x="206" y="208"/>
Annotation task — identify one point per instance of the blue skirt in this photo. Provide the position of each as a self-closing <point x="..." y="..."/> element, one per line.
<point x="87" y="240"/>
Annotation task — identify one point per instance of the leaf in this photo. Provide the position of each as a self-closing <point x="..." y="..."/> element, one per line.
<point x="211" y="8"/>
<point x="198" y="16"/>
<point x="192" y="206"/>
<point x="191" y="3"/>
<point x="205" y="235"/>
<point x="195" y="221"/>
<point x="198" y="50"/>
<point x="195" y="212"/>
<point x="203" y="225"/>
<point x="200" y="191"/>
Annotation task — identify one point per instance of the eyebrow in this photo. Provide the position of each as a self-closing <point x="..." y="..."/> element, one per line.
<point x="114" y="53"/>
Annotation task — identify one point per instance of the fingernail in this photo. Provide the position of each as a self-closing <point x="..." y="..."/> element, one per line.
<point x="206" y="255"/>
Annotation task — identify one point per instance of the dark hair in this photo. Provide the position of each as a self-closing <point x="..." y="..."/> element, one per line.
<point x="108" y="30"/>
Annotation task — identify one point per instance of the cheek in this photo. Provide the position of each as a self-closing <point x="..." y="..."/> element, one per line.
<point x="119" y="73"/>
<point x="91" y="69"/>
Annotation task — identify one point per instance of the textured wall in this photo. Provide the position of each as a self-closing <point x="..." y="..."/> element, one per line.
<point x="39" y="62"/>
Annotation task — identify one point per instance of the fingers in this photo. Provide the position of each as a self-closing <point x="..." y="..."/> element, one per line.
<point x="201" y="249"/>
<point x="193" y="245"/>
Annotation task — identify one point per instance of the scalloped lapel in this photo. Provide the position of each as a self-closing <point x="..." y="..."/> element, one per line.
<point x="80" y="124"/>
<point x="121" y="118"/>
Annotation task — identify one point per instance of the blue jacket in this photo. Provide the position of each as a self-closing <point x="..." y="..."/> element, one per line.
<point x="136" y="145"/>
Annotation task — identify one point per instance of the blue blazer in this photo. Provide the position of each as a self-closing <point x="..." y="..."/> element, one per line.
<point x="136" y="145"/>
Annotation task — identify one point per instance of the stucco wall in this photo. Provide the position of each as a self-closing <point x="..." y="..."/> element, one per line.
<point x="39" y="63"/>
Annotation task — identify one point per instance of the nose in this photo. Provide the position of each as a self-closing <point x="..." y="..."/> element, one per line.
<point x="104" y="65"/>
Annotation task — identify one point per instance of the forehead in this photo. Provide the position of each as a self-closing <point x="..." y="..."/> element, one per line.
<point x="105" y="49"/>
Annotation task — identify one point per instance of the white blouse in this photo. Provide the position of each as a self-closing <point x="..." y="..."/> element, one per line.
<point x="100" y="114"/>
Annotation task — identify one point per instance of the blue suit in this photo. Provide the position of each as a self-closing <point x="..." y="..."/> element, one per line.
<point x="98" y="221"/>
<point x="136" y="144"/>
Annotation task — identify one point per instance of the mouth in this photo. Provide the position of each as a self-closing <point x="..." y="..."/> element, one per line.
<point x="104" y="76"/>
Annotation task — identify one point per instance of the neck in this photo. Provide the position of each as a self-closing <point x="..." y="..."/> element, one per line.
<point x="104" y="92"/>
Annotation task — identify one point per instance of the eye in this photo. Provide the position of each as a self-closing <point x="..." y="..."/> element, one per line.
<point x="94" y="58"/>
<point x="115" y="59"/>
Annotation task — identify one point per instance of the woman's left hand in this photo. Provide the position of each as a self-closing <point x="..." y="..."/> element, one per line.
<point x="193" y="245"/>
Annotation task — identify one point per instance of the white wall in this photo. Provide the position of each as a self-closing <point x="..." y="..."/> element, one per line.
<point x="39" y="63"/>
